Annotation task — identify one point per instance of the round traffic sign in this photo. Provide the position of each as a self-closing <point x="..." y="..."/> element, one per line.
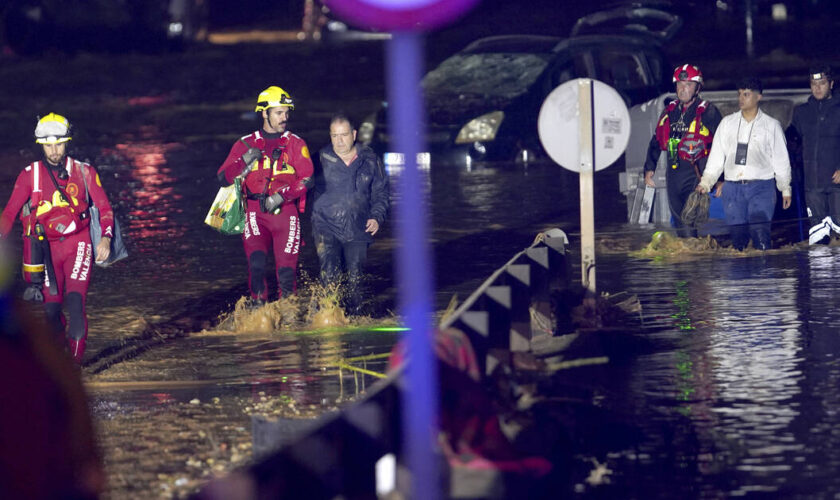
<point x="559" y="124"/>
<point x="395" y="15"/>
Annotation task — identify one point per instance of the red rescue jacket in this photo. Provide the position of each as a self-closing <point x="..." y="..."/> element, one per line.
<point x="697" y="140"/>
<point x="36" y="198"/>
<point x="284" y="166"/>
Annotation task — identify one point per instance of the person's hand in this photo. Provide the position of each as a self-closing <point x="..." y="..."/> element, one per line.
<point x="786" y="202"/>
<point x="372" y="226"/>
<point x="103" y="249"/>
<point x="835" y="178"/>
<point x="718" y="189"/>
<point x="272" y="202"/>
<point x="700" y="189"/>
<point x="649" y="179"/>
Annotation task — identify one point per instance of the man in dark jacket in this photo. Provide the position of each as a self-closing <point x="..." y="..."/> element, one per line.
<point x="816" y="130"/>
<point x="351" y="201"/>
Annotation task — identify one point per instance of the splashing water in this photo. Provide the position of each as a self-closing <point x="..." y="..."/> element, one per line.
<point x="270" y="317"/>
<point x="324" y="309"/>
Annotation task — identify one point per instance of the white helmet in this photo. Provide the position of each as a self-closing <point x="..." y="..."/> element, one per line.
<point x="52" y="129"/>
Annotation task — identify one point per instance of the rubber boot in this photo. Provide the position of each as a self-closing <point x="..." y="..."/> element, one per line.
<point x="56" y="320"/>
<point x="77" y="348"/>
<point x="286" y="281"/>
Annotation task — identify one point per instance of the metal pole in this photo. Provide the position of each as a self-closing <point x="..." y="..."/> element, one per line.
<point x="586" y="105"/>
<point x="414" y="265"/>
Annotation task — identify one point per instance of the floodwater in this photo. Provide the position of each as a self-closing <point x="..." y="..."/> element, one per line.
<point x="729" y="389"/>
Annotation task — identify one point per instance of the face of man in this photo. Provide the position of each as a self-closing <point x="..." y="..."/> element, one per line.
<point x="342" y="137"/>
<point x="274" y="119"/>
<point x="748" y="99"/>
<point x="821" y="88"/>
<point x="54" y="153"/>
<point x="686" y="91"/>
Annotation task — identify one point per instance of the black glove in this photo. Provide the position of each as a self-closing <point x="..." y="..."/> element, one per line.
<point x="269" y="203"/>
<point x="33" y="293"/>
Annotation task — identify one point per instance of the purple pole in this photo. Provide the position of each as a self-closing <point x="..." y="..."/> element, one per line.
<point x="414" y="265"/>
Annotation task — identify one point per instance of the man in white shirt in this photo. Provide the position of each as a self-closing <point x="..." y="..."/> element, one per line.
<point x="751" y="151"/>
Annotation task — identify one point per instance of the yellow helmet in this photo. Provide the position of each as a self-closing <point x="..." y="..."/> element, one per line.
<point x="274" y="96"/>
<point x="52" y="129"/>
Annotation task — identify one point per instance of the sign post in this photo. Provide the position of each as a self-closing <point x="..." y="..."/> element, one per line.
<point x="584" y="127"/>
<point x="586" y="123"/>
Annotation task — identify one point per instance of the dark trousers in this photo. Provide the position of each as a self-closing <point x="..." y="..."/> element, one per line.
<point x="681" y="183"/>
<point x="748" y="208"/>
<point x="823" y="202"/>
<point x="341" y="262"/>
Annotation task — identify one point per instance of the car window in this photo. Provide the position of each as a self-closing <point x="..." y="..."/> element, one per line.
<point x="622" y="69"/>
<point x="569" y="69"/>
<point x="497" y="75"/>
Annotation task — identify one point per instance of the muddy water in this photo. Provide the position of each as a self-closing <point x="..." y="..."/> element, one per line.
<point x="731" y="387"/>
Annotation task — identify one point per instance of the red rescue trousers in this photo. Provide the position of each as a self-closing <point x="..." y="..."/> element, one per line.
<point x="264" y="231"/>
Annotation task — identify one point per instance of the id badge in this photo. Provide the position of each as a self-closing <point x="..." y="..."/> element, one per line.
<point x="741" y="154"/>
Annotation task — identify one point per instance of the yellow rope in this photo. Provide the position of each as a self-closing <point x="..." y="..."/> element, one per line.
<point x="361" y="370"/>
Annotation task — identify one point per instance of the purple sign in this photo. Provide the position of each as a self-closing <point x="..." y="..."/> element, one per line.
<point x="400" y="15"/>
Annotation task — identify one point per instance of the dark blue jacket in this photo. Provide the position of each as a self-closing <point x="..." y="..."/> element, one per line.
<point x="347" y="196"/>
<point x="816" y="126"/>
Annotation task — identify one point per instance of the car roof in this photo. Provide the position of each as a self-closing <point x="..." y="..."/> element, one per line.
<point x="624" y="40"/>
<point x="526" y="44"/>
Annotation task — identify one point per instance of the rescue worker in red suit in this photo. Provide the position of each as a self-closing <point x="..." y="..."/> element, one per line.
<point x="279" y="172"/>
<point x="52" y="196"/>
<point x="685" y="131"/>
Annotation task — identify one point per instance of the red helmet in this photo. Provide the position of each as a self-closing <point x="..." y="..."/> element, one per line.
<point x="688" y="73"/>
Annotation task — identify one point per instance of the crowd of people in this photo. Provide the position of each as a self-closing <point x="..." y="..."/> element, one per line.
<point x="742" y="158"/>
<point x="68" y="224"/>
<point x="745" y="157"/>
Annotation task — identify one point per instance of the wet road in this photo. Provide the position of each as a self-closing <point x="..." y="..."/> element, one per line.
<point x="730" y="389"/>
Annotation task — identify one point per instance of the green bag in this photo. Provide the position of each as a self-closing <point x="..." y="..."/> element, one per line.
<point x="227" y="214"/>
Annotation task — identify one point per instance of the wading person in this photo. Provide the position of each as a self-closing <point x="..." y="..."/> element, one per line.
<point x="274" y="190"/>
<point x="816" y="126"/>
<point x="684" y="131"/>
<point x="351" y="201"/>
<point x="751" y="151"/>
<point x="53" y="196"/>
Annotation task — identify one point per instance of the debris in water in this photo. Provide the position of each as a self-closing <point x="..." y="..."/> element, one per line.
<point x="664" y="244"/>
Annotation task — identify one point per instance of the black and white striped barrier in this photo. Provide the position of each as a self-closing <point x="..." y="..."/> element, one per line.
<point x="513" y="306"/>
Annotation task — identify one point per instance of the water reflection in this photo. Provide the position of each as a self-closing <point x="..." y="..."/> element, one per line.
<point x="306" y="369"/>
<point x="741" y="393"/>
<point x="154" y="199"/>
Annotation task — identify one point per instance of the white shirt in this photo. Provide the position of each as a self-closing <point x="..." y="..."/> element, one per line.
<point x="767" y="155"/>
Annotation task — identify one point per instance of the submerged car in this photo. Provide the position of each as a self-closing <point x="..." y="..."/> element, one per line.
<point x="482" y="103"/>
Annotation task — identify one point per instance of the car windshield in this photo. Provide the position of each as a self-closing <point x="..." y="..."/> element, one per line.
<point x="496" y="75"/>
